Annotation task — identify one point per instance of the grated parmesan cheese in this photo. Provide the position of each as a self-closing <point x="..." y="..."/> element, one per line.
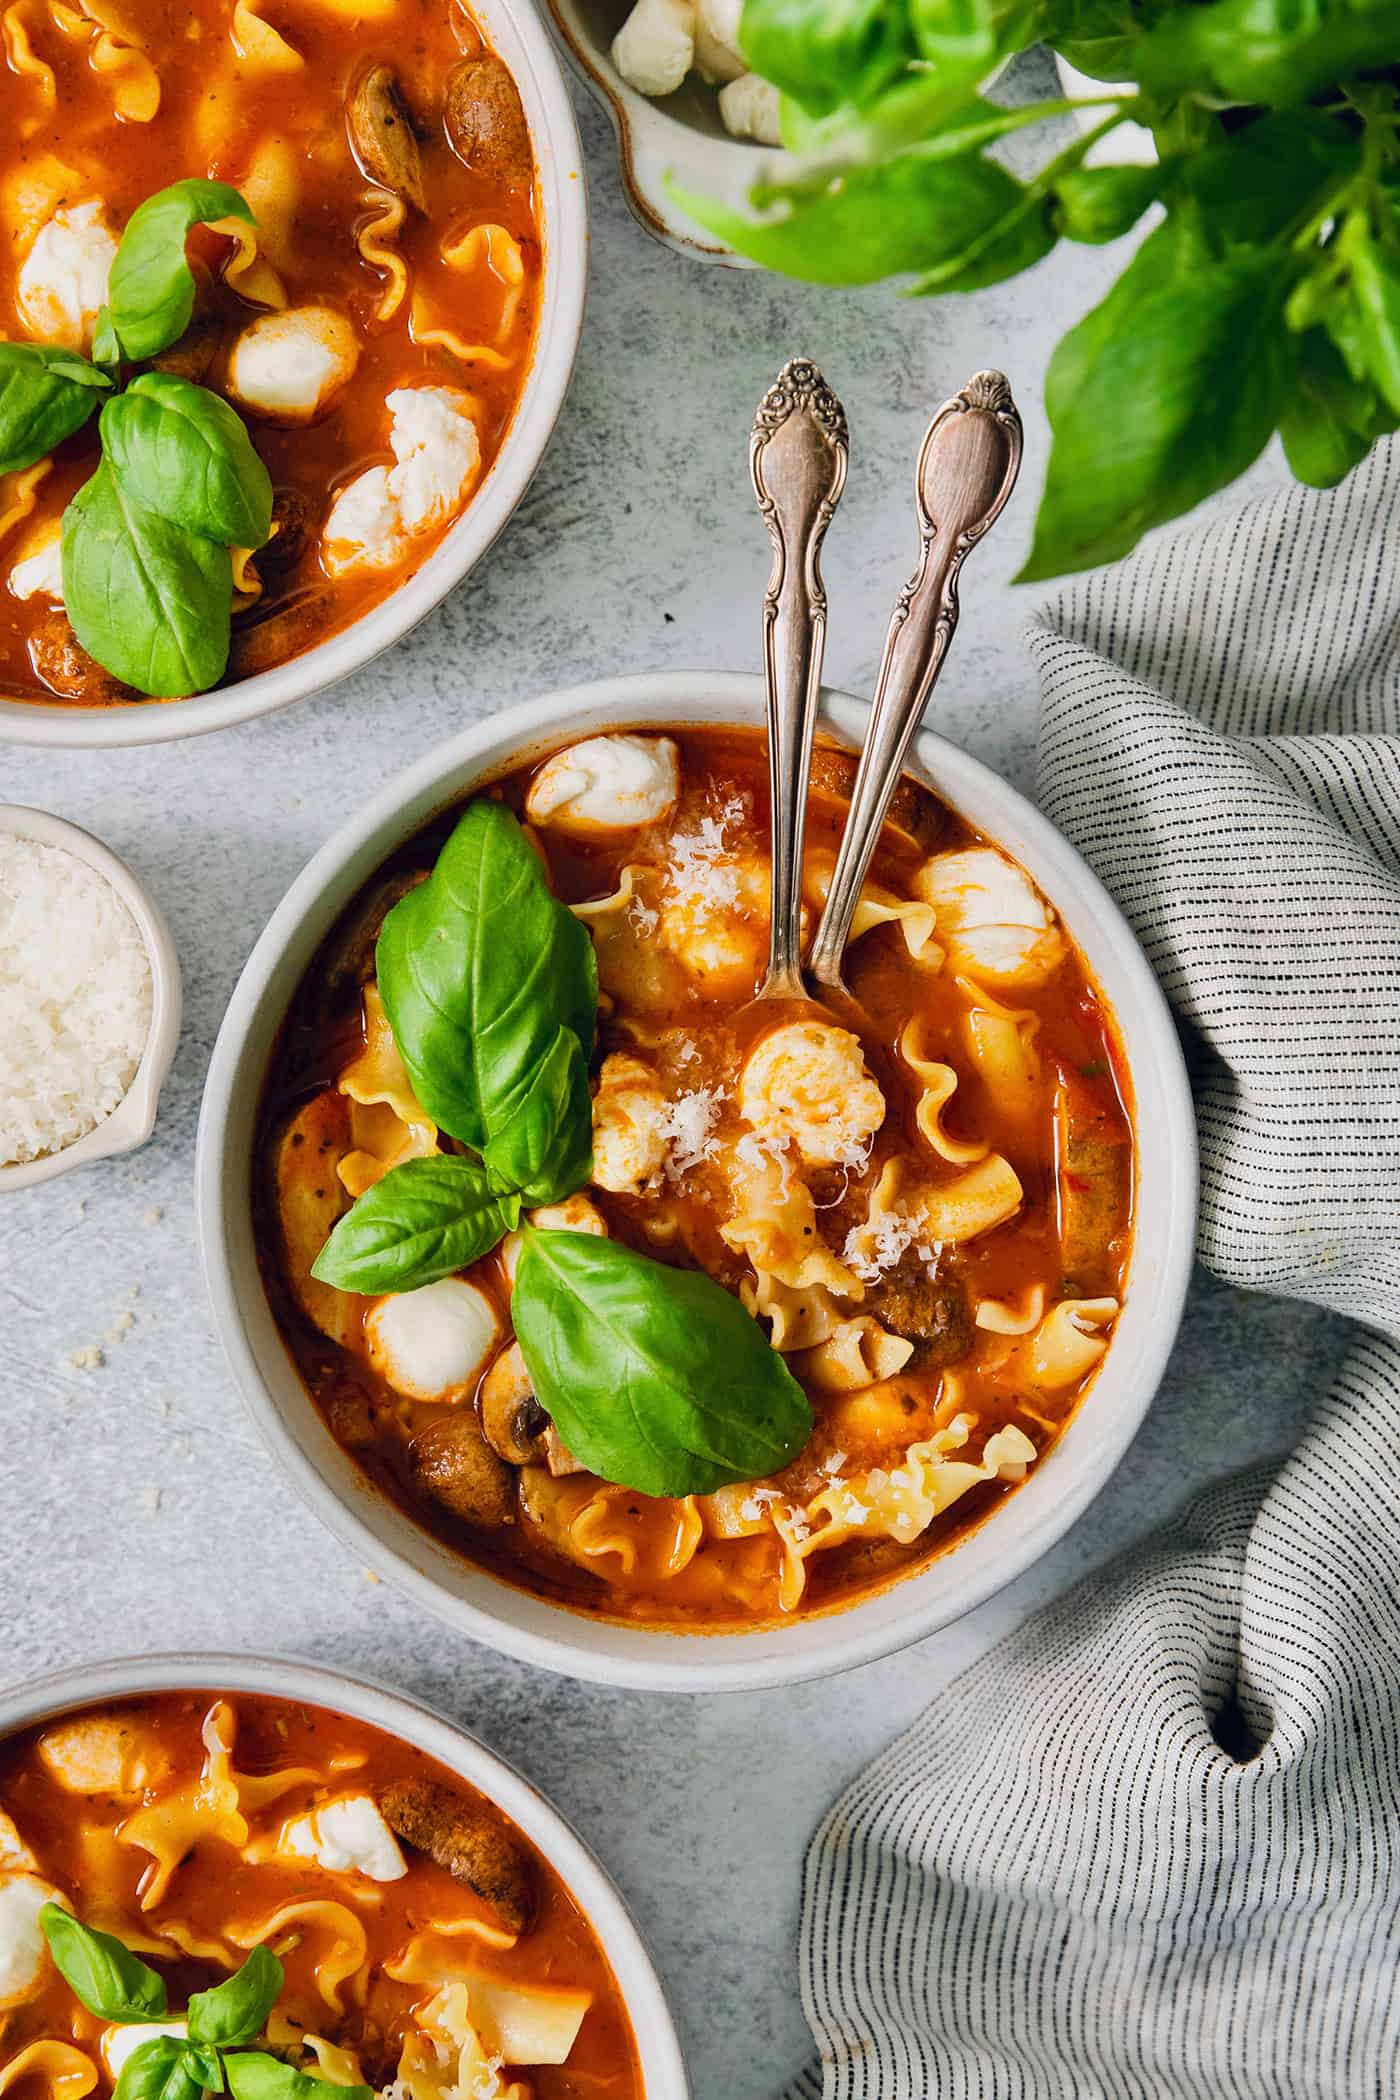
<point x="702" y="871"/>
<point x="688" y="1130"/>
<point x="75" y="999"/>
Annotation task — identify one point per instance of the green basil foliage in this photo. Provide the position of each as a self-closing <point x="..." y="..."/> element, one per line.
<point x="655" y="1377"/>
<point x="102" y="1974"/>
<point x="235" y="2012"/>
<point x="166" y="2068"/>
<point x="254" y="2076"/>
<point x="1267" y="299"/>
<point x="147" y="571"/>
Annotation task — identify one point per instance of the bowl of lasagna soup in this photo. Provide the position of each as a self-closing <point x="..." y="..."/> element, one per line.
<point x="648" y="1330"/>
<point x="289" y="301"/>
<point x="266" y="1874"/>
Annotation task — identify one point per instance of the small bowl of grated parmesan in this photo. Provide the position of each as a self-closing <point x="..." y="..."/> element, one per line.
<point x="89" y="1000"/>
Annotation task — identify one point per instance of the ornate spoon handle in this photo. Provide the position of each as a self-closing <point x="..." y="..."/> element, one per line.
<point x="797" y="456"/>
<point x="967" y="469"/>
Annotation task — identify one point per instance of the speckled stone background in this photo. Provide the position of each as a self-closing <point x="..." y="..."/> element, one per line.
<point x="137" y="1511"/>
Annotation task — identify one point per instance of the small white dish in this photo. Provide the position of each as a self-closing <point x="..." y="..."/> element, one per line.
<point x="133" y="1119"/>
<point x="490" y="1610"/>
<point x="523" y="42"/>
<point x="276" y="1677"/>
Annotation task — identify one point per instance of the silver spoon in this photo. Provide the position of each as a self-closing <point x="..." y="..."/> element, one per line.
<point x="797" y="455"/>
<point x="967" y="468"/>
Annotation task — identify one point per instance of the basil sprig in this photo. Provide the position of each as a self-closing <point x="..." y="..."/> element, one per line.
<point x="45" y="395"/>
<point x="657" y="1378"/>
<point x="150" y="293"/>
<point x="115" y="1984"/>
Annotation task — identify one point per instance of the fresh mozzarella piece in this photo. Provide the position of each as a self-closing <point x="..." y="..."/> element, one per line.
<point x="748" y="109"/>
<point x="15" y="1855"/>
<point x="23" y="1952"/>
<point x="348" y="1836"/>
<point x="655" y="47"/>
<point x="118" y="2043"/>
<point x="63" y="279"/>
<point x="806" y="1081"/>
<point x="39" y="571"/>
<point x="717" y="54"/>
<point x="525" y="2023"/>
<point x="574" y="1214"/>
<point x="992" y="920"/>
<point x="436" y="451"/>
<point x="433" y="1343"/>
<point x="606" y="783"/>
<point x="629" y="1125"/>
<point x="290" y="366"/>
<point x="435" y="443"/>
<point x="101" y="1754"/>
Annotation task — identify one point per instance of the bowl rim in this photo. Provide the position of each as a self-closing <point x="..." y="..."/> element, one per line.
<point x="413" y="1720"/>
<point x="512" y="1620"/>
<point x="133" y="1119"/>
<point x="519" y="34"/>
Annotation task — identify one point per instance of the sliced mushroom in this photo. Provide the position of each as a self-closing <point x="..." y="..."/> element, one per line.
<point x="467" y="1839"/>
<point x="309" y="1201"/>
<point x="512" y="1420"/>
<point x="453" y="1463"/>
<point x="558" y="1457"/>
<point x="486" y="123"/>
<point x="64" y="666"/>
<point x="382" y="137"/>
<point x="930" y="1311"/>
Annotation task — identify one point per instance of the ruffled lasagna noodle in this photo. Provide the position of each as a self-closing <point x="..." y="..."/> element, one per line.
<point x="932" y="1224"/>
<point x="194" y="1828"/>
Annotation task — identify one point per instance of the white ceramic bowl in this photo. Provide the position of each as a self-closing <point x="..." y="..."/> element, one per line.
<point x="1056" y="1492"/>
<point x="520" y="37"/>
<point x="133" y="1119"/>
<point x="45" y="1698"/>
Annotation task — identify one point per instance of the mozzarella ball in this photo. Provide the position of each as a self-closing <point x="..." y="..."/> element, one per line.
<point x="348" y="1836"/>
<point x="992" y="920"/>
<point x="24" y="1953"/>
<point x="629" y="1126"/>
<point x="433" y="1343"/>
<point x="364" y="529"/>
<point x="374" y="518"/>
<point x="606" y="783"/>
<point x="39" y="571"/>
<point x="749" y="109"/>
<point x="806" y="1081"/>
<point x="118" y="2043"/>
<point x="714" y="920"/>
<point x="63" y="279"/>
<point x="15" y="1855"/>
<point x="290" y="366"/>
<point x="655" y="47"/>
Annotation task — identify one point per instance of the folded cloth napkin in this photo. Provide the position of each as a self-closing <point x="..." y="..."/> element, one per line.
<point x="1151" y="1844"/>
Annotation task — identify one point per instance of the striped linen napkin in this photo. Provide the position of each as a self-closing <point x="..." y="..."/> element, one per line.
<point x="1150" y="1846"/>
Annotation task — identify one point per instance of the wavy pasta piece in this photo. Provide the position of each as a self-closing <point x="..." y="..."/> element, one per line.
<point x="444" y="2057"/>
<point x="858" y="1353"/>
<point x="64" y="2072"/>
<point x="271" y="187"/>
<point x="262" y="48"/>
<point x="1000" y="1041"/>
<point x="798" y="1319"/>
<point x="247" y="583"/>
<point x="982" y="1198"/>
<point x="134" y="81"/>
<point x="427" y="1963"/>
<point x="939" y="1083"/>
<point x="388" y="1125"/>
<point x="342" y="1964"/>
<point x="23" y="59"/>
<point x="775" y="1225"/>
<point x="337" y="2065"/>
<point x="170" y="1827"/>
<point x="626" y="900"/>
<point x="1002" y="1316"/>
<point x="430" y="333"/>
<point x="1067" y="1344"/>
<point x="501" y="252"/>
<point x="247" y="270"/>
<point x="740" y="1512"/>
<point x="376" y="238"/>
<point x="19" y="494"/>
<point x="594" y="1523"/>
<point x="877" y="906"/>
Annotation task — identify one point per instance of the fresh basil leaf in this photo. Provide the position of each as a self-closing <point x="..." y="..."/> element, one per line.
<point x="826" y="52"/>
<point x="1161" y="395"/>
<point x="150" y="601"/>
<point x="911" y="212"/>
<point x="184" y="453"/>
<point x="1019" y="239"/>
<point x="1330" y="420"/>
<point x="1276" y="52"/>
<point x="45" y="395"/>
<point x="1251" y="187"/>
<point x="655" y="1377"/>
<point x="235" y="2011"/>
<point x="479" y="967"/>
<point x="422" y="1220"/>
<point x="107" y="1977"/>
<point x="150" y="294"/>
<point x="1100" y="204"/>
<point x="546" y="1149"/>
<point x="167" y="2068"/>
<point x="1375" y="282"/>
<point x="254" y="2076"/>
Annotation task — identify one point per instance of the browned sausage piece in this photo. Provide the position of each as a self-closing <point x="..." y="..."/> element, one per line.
<point x="258" y="645"/>
<point x="912" y="812"/>
<point x="382" y="135"/>
<point x="468" y="1840"/>
<point x="291" y="519"/>
<point x="932" y="1312"/>
<point x="194" y="354"/>
<point x="1093" y="1164"/>
<point x="348" y="963"/>
<point x="453" y="1463"/>
<point x="485" y="122"/>
<point x="65" y="667"/>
